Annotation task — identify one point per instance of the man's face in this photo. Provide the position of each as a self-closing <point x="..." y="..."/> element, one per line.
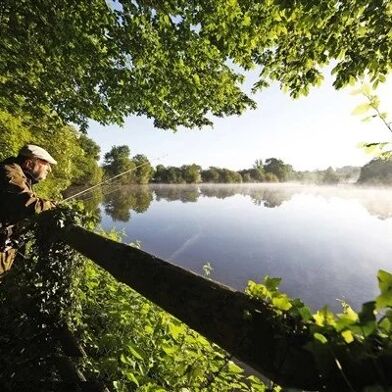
<point x="39" y="169"/>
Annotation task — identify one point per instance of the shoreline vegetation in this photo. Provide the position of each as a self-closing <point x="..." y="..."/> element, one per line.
<point x="272" y="170"/>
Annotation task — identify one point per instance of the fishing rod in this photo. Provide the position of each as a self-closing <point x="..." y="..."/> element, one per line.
<point x="109" y="179"/>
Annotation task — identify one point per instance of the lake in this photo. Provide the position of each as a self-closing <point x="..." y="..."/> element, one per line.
<point x="326" y="243"/>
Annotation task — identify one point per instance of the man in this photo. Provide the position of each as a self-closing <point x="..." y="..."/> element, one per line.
<point x="17" y="199"/>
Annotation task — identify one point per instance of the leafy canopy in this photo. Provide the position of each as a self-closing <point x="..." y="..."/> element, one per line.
<point x="172" y="61"/>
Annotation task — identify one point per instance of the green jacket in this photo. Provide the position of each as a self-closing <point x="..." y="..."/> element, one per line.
<point x="17" y="199"/>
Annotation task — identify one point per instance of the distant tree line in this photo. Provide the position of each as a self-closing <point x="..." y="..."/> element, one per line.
<point x="138" y="170"/>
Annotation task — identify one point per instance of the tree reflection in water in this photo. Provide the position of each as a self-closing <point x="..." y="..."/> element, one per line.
<point x="119" y="204"/>
<point x="184" y="193"/>
<point x="266" y="197"/>
<point x="119" y="200"/>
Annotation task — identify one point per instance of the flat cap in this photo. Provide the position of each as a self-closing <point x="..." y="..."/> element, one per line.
<point x="33" y="151"/>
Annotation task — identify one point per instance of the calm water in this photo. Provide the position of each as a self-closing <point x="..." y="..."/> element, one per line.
<point x="327" y="243"/>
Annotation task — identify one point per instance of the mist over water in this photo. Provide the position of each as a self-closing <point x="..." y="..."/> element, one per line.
<point x="327" y="243"/>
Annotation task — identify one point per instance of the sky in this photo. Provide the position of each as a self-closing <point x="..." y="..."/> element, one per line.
<point x="312" y="132"/>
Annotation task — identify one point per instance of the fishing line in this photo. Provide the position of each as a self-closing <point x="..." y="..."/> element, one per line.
<point x="108" y="191"/>
<point x="110" y="179"/>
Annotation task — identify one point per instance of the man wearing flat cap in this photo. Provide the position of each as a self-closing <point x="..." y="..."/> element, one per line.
<point x="17" y="199"/>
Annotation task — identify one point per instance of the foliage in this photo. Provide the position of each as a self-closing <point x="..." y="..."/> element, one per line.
<point x="219" y="175"/>
<point x="36" y="298"/>
<point x="274" y="170"/>
<point x="172" y="61"/>
<point x="168" y="175"/>
<point x="377" y="171"/>
<point x="87" y="172"/>
<point x="143" y="169"/>
<point x="330" y="177"/>
<point x="371" y="108"/>
<point x="345" y="174"/>
<point x="211" y="175"/>
<point x="133" y="345"/>
<point x="348" y="337"/>
<point x="118" y="163"/>
<point x="280" y="169"/>
<point x="271" y="177"/>
<point x="191" y="173"/>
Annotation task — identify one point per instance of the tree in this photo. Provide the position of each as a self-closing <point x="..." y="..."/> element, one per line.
<point x="230" y="176"/>
<point x="252" y="175"/>
<point x="118" y="161"/>
<point x="377" y="171"/>
<point x="174" y="175"/>
<point x="330" y="177"/>
<point x="171" y="61"/>
<point x="210" y="175"/>
<point x="86" y="171"/>
<point x="348" y="174"/>
<point x="159" y="174"/>
<point x="168" y="175"/>
<point x="271" y="177"/>
<point x="245" y="176"/>
<point x="191" y="173"/>
<point x="143" y="169"/>
<point x="277" y="167"/>
<point x="257" y="175"/>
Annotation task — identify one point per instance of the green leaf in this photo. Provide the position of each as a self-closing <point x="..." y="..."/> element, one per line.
<point x="364" y="330"/>
<point x="349" y="313"/>
<point x="385" y="284"/>
<point x="196" y="79"/>
<point x="324" y="317"/>
<point x="233" y="368"/>
<point x="169" y="349"/>
<point x="131" y="377"/>
<point x="135" y="352"/>
<point x="272" y="284"/>
<point x="176" y="329"/>
<point x="321" y="338"/>
<point x="281" y="302"/>
<point x="361" y="109"/>
<point x="246" y="21"/>
<point x="386" y="324"/>
<point x="305" y="313"/>
<point x="347" y="336"/>
<point x="384" y="281"/>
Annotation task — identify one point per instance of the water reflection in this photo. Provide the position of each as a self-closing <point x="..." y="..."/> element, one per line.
<point x="184" y="193"/>
<point x="119" y="203"/>
<point x="119" y="200"/>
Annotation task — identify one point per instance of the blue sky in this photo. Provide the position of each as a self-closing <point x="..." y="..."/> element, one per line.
<point x="312" y="132"/>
